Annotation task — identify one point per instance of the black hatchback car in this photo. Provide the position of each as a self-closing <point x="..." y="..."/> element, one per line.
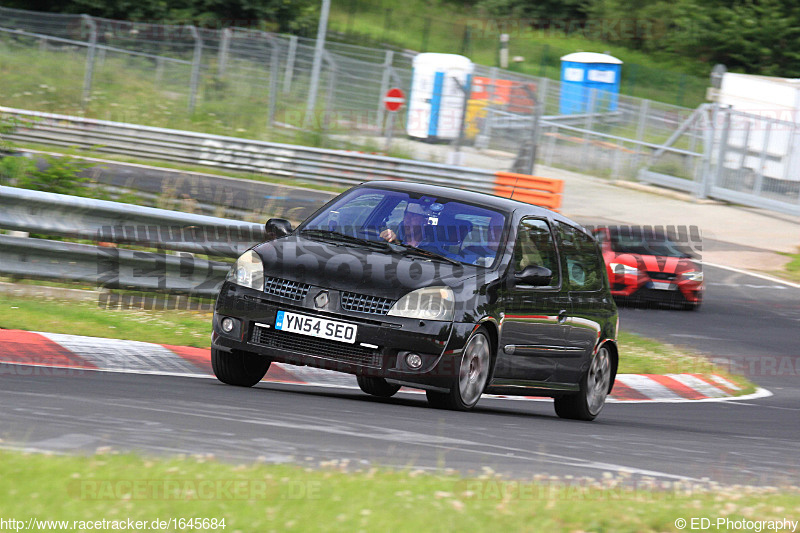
<point x="454" y="292"/>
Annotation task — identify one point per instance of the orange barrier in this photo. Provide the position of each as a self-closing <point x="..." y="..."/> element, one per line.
<point x="536" y="190"/>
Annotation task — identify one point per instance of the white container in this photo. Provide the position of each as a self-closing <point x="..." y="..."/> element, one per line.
<point x="764" y="99"/>
<point x="436" y="103"/>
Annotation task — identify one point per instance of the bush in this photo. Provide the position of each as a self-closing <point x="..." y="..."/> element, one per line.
<point x="60" y="175"/>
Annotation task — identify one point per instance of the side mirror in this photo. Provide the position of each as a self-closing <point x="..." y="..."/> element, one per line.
<point x="535" y="275"/>
<point x="275" y="228"/>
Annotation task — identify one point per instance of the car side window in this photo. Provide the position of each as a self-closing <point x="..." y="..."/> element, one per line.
<point x="535" y="247"/>
<point x="584" y="264"/>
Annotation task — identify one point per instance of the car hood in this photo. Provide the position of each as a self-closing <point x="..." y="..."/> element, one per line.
<point x="360" y="269"/>
<point x="653" y="263"/>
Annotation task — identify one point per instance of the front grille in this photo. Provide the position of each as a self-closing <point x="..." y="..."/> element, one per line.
<point x="339" y="351"/>
<point x="292" y="290"/>
<point x="666" y="276"/>
<point x="366" y="304"/>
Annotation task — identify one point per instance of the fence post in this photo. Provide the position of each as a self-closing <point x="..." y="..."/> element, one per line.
<point x="588" y="125"/>
<point x="466" y="89"/>
<point x="89" y="71"/>
<point x="745" y="150"/>
<point x="763" y="160"/>
<point x="159" y="70"/>
<point x="709" y="137"/>
<point x="681" y="88"/>
<point x="644" y="109"/>
<point x="319" y="48"/>
<point x="222" y="58"/>
<point x="426" y="30"/>
<point x="329" y="93"/>
<point x="538" y="111"/>
<point x="551" y="146"/>
<point x="273" y="77"/>
<point x="465" y="43"/>
<point x="723" y="148"/>
<point x="287" y="76"/>
<point x="387" y="69"/>
<point x="484" y="136"/>
<point x="198" y="55"/>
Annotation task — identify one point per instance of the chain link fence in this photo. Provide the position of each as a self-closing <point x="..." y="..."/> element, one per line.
<point x="252" y="84"/>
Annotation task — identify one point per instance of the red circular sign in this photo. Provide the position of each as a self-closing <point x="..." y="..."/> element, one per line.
<point x="394" y="99"/>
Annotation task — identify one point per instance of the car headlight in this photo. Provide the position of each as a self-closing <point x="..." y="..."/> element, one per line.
<point x="429" y="303"/>
<point x="248" y="271"/>
<point x="622" y="269"/>
<point x="693" y="275"/>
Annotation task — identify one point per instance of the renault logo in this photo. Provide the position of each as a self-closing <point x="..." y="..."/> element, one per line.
<point x="321" y="300"/>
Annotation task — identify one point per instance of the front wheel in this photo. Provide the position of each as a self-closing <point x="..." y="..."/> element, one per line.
<point x="473" y="374"/>
<point x="242" y="369"/>
<point x="595" y="384"/>
<point x="377" y="386"/>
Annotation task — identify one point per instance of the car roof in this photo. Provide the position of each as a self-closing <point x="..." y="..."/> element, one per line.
<point x="479" y="198"/>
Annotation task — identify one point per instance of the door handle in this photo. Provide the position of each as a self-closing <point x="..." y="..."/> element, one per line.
<point x="562" y="316"/>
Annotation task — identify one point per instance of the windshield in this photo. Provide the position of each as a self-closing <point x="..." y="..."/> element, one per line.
<point x="458" y="231"/>
<point x="637" y="241"/>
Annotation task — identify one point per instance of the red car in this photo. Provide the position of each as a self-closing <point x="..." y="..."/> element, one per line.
<point x="645" y="265"/>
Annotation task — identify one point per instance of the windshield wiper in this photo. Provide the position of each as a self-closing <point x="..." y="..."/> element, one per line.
<point x="413" y="250"/>
<point x="330" y="235"/>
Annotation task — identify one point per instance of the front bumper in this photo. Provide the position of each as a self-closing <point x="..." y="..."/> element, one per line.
<point x="379" y="350"/>
<point x="687" y="291"/>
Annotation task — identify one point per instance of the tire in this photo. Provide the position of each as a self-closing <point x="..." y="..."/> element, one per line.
<point x="595" y="384"/>
<point x="473" y="375"/>
<point x="242" y="369"/>
<point x="377" y="386"/>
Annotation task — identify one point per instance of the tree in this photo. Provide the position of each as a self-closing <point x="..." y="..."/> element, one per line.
<point x="539" y="12"/>
<point x="285" y="16"/>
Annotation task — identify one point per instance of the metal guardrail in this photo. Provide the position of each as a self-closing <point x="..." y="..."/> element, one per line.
<point x="112" y="223"/>
<point x="110" y="267"/>
<point x="273" y="159"/>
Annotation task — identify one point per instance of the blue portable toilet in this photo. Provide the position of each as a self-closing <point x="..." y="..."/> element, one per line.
<point x="583" y="71"/>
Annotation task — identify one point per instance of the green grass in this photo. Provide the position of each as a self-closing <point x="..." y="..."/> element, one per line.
<point x="125" y="89"/>
<point x="131" y="89"/>
<point x="673" y="80"/>
<point x="201" y="169"/>
<point x="259" y="497"/>
<point x="639" y="355"/>
<point x="182" y="328"/>
<point x="791" y="270"/>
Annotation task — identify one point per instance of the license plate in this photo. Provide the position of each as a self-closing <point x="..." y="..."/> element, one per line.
<point x="316" y="327"/>
<point x="664" y="286"/>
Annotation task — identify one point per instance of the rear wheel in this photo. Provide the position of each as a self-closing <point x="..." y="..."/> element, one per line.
<point x="473" y="374"/>
<point x="377" y="386"/>
<point x="243" y="369"/>
<point x="588" y="403"/>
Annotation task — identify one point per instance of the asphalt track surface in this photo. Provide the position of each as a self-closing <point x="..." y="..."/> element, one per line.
<point x="750" y="323"/>
<point x="749" y="441"/>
